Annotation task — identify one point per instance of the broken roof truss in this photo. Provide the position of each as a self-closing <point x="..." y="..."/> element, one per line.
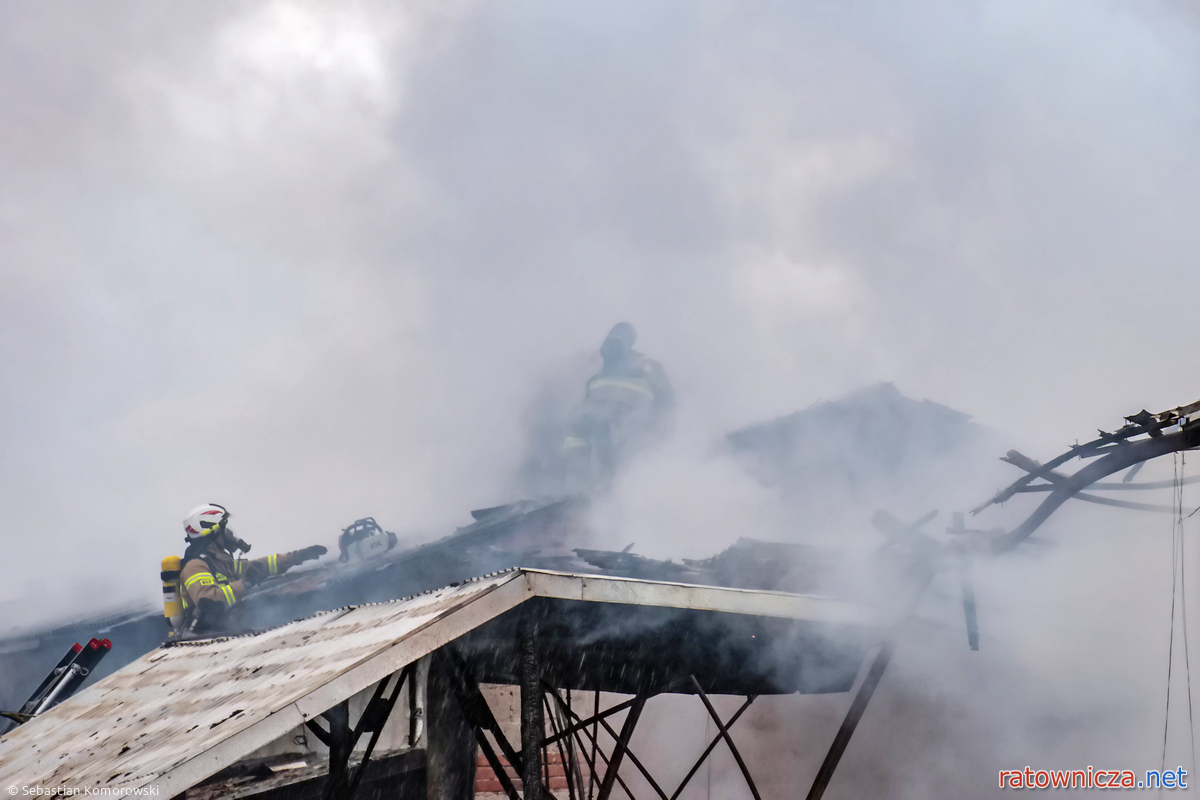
<point x="1144" y="436"/>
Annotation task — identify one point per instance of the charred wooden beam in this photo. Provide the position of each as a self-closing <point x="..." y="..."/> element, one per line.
<point x="592" y="720"/>
<point x="1058" y="479"/>
<point x="1109" y="501"/>
<point x="1077" y="451"/>
<point x="723" y="732"/>
<point x="618" y="753"/>
<point x="1032" y="467"/>
<point x="608" y="712"/>
<point x="497" y="766"/>
<point x="861" y="699"/>
<point x="321" y="734"/>
<point x="597" y="755"/>
<point x="969" y="611"/>
<point x="476" y="708"/>
<point x="373" y="719"/>
<point x="722" y="727"/>
<point x="533" y="724"/>
<point x="1128" y="479"/>
<point x="1108" y="444"/>
<point x="575" y="768"/>
<point x="450" y="737"/>
<point x="341" y="744"/>
<point x="633" y="759"/>
<point x="562" y="752"/>
<point x="1133" y="453"/>
<point x="571" y="732"/>
<point x="1120" y="487"/>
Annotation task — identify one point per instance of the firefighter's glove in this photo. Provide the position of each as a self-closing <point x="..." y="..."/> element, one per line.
<point x="255" y="573"/>
<point x="309" y="553"/>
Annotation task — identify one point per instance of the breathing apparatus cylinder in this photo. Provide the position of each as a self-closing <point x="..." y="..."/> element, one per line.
<point x="172" y="605"/>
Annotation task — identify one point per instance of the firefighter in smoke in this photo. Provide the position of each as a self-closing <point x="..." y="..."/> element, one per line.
<point x="626" y="404"/>
<point x="212" y="581"/>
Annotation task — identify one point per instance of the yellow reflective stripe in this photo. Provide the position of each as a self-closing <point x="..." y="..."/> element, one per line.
<point x="229" y="595"/>
<point x="631" y="386"/>
<point x="203" y="578"/>
<point x="273" y="564"/>
<point x="573" y="441"/>
<point x="239" y="566"/>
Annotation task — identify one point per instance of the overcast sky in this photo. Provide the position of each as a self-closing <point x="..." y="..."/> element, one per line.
<point x="313" y="260"/>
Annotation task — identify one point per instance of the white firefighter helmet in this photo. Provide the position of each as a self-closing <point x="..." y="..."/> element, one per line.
<point x="204" y="520"/>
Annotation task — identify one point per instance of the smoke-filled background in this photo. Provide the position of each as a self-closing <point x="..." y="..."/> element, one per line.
<point x="317" y="261"/>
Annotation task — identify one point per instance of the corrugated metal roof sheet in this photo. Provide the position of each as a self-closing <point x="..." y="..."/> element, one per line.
<point x="182" y="713"/>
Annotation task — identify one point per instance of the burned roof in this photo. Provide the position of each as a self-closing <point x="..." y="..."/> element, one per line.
<point x="183" y="712"/>
<point x="874" y="429"/>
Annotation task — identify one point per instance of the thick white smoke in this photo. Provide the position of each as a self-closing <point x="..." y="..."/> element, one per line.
<point x="315" y="261"/>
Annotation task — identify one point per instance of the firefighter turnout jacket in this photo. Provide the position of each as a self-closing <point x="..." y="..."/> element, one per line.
<point x="631" y="384"/>
<point x="627" y="404"/>
<point x="213" y="582"/>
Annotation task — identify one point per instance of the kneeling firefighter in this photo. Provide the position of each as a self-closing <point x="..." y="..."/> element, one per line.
<point x="211" y="580"/>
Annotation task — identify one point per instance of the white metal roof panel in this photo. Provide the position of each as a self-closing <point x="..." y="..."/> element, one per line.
<point x="180" y="714"/>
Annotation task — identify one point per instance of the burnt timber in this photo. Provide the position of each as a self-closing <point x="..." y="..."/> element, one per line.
<point x="1141" y="439"/>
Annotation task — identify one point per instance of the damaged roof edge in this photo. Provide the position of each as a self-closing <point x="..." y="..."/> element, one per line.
<point x="446" y="627"/>
<point x="306" y="667"/>
<point x="637" y="591"/>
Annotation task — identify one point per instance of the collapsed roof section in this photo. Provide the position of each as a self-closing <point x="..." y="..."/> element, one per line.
<point x="1143" y="437"/>
<point x="877" y="425"/>
<point x="182" y="713"/>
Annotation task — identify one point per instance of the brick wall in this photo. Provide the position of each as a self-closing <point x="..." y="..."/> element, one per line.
<point x="487" y="785"/>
